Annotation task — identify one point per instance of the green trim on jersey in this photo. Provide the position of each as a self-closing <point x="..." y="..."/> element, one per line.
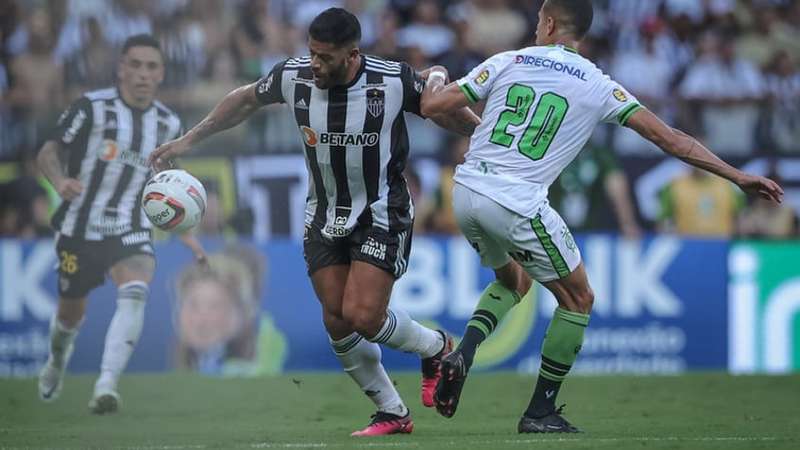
<point x="559" y="264"/>
<point x="569" y="49"/>
<point x="471" y="95"/>
<point x="627" y="113"/>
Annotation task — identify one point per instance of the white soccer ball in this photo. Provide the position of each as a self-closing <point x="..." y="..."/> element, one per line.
<point x="174" y="200"/>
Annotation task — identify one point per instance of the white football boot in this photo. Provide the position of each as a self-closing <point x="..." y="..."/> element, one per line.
<point x="51" y="378"/>
<point x="106" y="399"/>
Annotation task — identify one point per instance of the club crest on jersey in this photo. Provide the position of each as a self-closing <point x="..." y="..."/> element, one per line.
<point x="619" y="95"/>
<point x="375" y="102"/>
<point x="109" y="150"/>
<point x="482" y="77"/>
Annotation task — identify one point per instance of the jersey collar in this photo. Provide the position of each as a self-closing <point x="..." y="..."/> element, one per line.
<point x="564" y="47"/>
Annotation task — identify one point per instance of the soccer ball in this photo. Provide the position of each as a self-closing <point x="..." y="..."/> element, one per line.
<point x="174" y="200"/>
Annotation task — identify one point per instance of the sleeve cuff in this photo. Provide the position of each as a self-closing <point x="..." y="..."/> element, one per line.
<point x="469" y="92"/>
<point x="626" y="113"/>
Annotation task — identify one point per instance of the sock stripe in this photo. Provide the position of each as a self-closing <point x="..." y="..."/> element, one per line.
<point x="555" y="364"/>
<point x="553" y="370"/>
<point x="550" y="376"/>
<point x="346" y="347"/>
<point x="481" y="321"/>
<point x="388" y="328"/>
<point x="489" y="315"/>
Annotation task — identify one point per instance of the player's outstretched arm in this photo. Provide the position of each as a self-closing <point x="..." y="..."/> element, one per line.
<point x="450" y="111"/>
<point x="50" y="165"/>
<point x="688" y="149"/>
<point x="234" y="108"/>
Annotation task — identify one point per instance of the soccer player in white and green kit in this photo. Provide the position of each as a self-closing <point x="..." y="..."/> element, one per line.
<point x="541" y="105"/>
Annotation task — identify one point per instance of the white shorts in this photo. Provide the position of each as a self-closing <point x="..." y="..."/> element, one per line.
<point x="542" y="245"/>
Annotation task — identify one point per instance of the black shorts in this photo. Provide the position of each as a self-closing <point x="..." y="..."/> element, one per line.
<point x="383" y="249"/>
<point x="82" y="264"/>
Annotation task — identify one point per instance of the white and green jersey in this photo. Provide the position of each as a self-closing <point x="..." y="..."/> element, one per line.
<point x="542" y="104"/>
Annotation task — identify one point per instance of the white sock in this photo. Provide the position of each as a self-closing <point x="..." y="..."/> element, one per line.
<point x="361" y="360"/>
<point x="403" y="333"/>
<point x="123" y="332"/>
<point x="61" y="341"/>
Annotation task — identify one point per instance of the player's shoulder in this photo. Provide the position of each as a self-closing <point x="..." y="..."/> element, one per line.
<point x="164" y="110"/>
<point x="296" y="63"/>
<point x="384" y="66"/>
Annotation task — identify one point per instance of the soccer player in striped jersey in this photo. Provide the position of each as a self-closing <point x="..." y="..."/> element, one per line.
<point x="541" y="105"/>
<point x="349" y="111"/>
<point x="104" y="139"/>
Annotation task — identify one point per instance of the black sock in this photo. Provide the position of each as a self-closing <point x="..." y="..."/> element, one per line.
<point x="543" y="401"/>
<point x="469" y="344"/>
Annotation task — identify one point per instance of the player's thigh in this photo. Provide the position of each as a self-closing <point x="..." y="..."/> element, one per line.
<point x="366" y="296"/>
<point x="328" y="263"/>
<point x="329" y="283"/>
<point x="544" y="246"/>
<point x="483" y="223"/>
<point x="79" y="268"/>
<point x="130" y="258"/>
<point x="380" y="257"/>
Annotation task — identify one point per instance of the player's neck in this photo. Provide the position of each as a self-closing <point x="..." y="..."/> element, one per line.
<point x="352" y="72"/>
<point x="131" y="101"/>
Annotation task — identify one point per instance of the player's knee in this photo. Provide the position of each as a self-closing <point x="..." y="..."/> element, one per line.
<point x="133" y="290"/>
<point x="365" y="321"/>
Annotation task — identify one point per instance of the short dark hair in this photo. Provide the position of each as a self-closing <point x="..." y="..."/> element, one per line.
<point x="577" y="15"/>
<point x="141" y="40"/>
<point x="335" y="26"/>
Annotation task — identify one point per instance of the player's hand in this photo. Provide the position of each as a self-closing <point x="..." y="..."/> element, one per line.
<point x="69" y="188"/>
<point x="762" y="187"/>
<point x="161" y="158"/>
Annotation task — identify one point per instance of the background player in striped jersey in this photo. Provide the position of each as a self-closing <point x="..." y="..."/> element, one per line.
<point x="103" y="140"/>
<point x="349" y="112"/>
<point x="542" y="104"/>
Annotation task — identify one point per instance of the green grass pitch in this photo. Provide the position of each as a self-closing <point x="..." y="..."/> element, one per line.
<point x="174" y="412"/>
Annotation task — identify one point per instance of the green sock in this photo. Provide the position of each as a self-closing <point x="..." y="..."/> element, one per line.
<point x="494" y="304"/>
<point x="562" y="342"/>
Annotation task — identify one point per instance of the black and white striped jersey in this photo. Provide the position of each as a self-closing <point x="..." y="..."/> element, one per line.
<point x="107" y="143"/>
<point x="356" y="144"/>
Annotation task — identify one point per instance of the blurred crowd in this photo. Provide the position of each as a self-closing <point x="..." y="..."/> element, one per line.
<point x="726" y="71"/>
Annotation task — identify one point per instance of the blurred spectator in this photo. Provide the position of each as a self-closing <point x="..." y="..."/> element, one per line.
<point x="38" y="81"/>
<point x="727" y="92"/>
<point x="591" y="186"/>
<point x="764" y="37"/>
<point x="437" y="215"/>
<point x="427" y="31"/>
<point x="93" y="65"/>
<point x="652" y="90"/>
<point x="220" y="326"/>
<point x="700" y="204"/>
<point x="783" y="87"/>
<point x="494" y="26"/>
<point x="256" y="35"/>
<point x="765" y="219"/>
<point x="24" y="209"/>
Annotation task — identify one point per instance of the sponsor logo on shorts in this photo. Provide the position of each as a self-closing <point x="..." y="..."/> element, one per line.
<point x="374" y="249"/>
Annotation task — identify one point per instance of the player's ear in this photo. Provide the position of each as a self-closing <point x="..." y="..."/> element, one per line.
<point x="550" y="25"/>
